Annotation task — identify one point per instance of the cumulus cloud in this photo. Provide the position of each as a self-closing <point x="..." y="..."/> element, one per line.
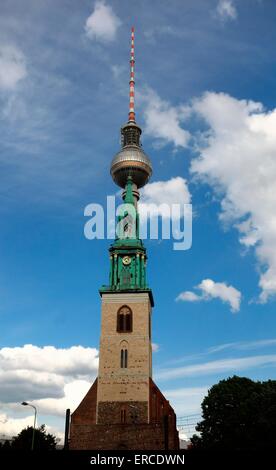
<point x="188" y="296"/>
<point x="75" y="361"/>
<point x="220" y="290"/>
<point x="170" y="201"/>
<point x="26" y="383"/>
<point x="13" y="67"/>
<point x="73" y="393"/>
<point x="103" y="23"/>
<point x="54" y="379"/>
<point x="163" y="121"/>
<point x="226" y="10"/>
<point x="10" y="427"/>
<point x="213" y="290"/>
<point x="32" y="373"/>
<point x="159" y="197"/>
<point x="237" y="158"/>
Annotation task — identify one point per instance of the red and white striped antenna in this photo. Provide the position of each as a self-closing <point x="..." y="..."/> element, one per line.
<point x="131" y="114"/>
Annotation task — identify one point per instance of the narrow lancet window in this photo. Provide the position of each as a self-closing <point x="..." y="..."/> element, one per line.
<point x="124" y="358"/>
<point x="123" y="416"/>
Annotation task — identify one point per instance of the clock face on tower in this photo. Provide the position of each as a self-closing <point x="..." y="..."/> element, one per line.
<point x="126" y="260"/>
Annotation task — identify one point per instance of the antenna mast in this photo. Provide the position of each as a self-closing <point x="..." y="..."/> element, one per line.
<point x="131" y="114"/>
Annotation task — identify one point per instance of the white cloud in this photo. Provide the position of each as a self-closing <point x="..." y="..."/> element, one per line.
<point x="243" y="345"/>
<point x="163" y="121"/>
<point x="103" y="23"/>
<point x="188" y="296"/>
<point x="53" y="379"/>
<point x="21" y="384"/>
<point x="155" y="347"/>
<point x="211" y="290"/>
<point x="221" y="348"/>
<point x="186" y="400"/>
<point x="74" y="392"/>
<point x="186" y="403"/>
<point x="226" y="10"/>
<point x="10" y="427"/>
<point x="159" y="197"/>
<point x="75" y="361"/>
<point x="237" y="158"/>
<point x="33" y="373"/>
<point x="221" y="366"/>
<point x="13" y="67"/>
<point x="220" y="290"/>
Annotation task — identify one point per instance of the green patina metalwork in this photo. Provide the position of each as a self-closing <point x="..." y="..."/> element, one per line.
<point x="127" y="254"/>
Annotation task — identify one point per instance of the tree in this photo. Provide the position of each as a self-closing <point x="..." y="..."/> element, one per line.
<point x="6" y="445"/>
<point x="238" y="413"/>
<point x="42" y="440"/>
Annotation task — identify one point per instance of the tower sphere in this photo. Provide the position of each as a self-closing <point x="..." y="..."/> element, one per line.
<point x="131" y="160"/>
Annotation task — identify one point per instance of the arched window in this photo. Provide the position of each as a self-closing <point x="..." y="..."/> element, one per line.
<point x="124" y="320"/>
<point x="124" y="358"/>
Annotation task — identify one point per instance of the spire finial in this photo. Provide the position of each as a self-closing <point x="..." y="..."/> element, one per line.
<point x="131" y="114"/>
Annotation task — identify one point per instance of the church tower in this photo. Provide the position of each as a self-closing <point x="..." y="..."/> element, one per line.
<point x="124" y="409"/>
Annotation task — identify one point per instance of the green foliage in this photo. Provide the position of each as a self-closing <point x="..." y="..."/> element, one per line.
<point x="6" y="445"/>
<point x="42" y="439"/>
<point x="238" y="413"/>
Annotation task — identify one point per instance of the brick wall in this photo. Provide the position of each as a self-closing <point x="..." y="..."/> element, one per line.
<point x="112" y="437"/>
<point x="86" y="434"/>
<point x="110" y="412"/>
<point x="85" y="413"/>
<point x="114" y="382"/>
<point x="159" y="406"/>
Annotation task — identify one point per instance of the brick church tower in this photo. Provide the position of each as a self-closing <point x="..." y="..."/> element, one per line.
<point x="124" y="409"/>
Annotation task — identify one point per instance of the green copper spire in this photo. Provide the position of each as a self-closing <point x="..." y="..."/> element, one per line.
<point x="129" y="197"/>
<point x="127" y="254"/>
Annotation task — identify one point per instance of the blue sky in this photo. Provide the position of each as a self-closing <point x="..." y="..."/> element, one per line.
<point x="206" y="102"/>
